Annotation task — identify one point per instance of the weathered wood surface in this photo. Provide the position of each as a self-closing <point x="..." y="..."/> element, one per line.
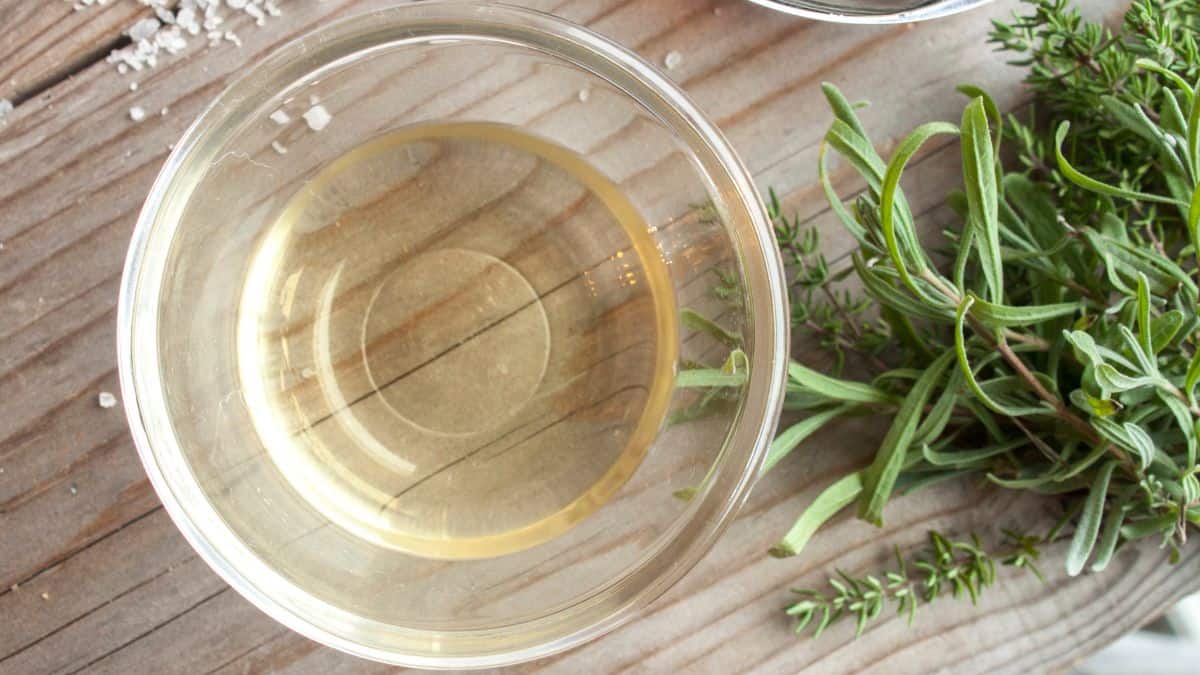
<point x="96" y="579"/>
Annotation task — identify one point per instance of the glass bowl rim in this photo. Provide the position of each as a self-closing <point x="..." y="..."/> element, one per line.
<point x="289" y="603"/>
<point x="934" y="10"/>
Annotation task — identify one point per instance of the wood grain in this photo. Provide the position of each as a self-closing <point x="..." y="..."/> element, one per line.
<point x="124" y="593"/>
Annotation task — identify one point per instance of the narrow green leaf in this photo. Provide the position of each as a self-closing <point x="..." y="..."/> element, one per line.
<point x="960" y="351"/>
<point x="1110" y="535"/>
<point x="1030" y="483"/>
<point x="979" y="176"/>
<point x="827" y="504"/>
<point x="879" y="478"/>
<point x="1089" y="521"/>
<point x="794" y="435"/>
<point x="842" y="108"/>
<point x="835" y="389"/>
<point x="1193" y="376"/>
<point x="1145" y="527"/>
<point x="694" y="321"/>
<point x="901" y="240"/>
<point x="1002" y="316"/>
<point x="1141" y="443"/>
<point x="1163" y="329"/>
<point x="1193" y="130"/>
<point x="1085" y="346"/>
<point x="939" y="416"/>
<point x="835" y="202"/>
<point x="1145" y="331"/>
<point x="1183" y="419"/>
<point x="708" y="377"/>
<point x="1172" y="118"/>
<point x="1193" y="219"/>
<point x="1094" y="185"/>
<point x="965" y="457"/>
<point x="993" y="115"/>
<point x="857" y="150"/>
<point x="1112" y="380"/>
<point x="1080" y="465"/>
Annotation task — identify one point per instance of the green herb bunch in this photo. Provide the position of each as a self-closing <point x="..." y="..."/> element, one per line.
<point x="1053" y="346"/>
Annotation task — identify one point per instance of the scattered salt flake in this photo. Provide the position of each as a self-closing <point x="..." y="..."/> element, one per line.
<point x="14" y="588"/>
<point x="584" y="95"/>
<point x="74" y="490"/>
<point x="144" y="29"/>
<point x="260" y="17"/>
<point x="45" y="595"/>
<point x="106" y="400"/>
<point x="133" y="86"/>
<point x="137" y="113"/>
<point x="6" y="107"/>
<point x="672" y="60"/>
<point x="313" y="99"/>
<point x="164" y="111"/>
<point x="278" y="147"/>
<point x="280" y="117"/>
<point x="317" y="117"/>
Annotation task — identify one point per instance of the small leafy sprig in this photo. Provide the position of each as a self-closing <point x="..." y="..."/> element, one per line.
<point x="837" y="319"/>
<point x="959" y="568"/>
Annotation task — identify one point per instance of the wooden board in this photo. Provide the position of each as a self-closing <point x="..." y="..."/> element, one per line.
<point x="94" y="576"/>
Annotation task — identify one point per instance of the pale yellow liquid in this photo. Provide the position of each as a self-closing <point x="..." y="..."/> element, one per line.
<point x="457" y="340"/>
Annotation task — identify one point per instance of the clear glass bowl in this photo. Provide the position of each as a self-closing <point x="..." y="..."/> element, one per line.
<point x="872" y="11"/>
<point x="196" y="268"/>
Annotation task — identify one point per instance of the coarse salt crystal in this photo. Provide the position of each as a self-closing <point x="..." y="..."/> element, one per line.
<point x="106" y="400"/>
<point x="317" y="117"/>
<point x="137" y="113"/>
<point x="133" y="86"/>
<point x="672" y="60"/>
<point x="144" y="29"/>
<point x="6" y="107"/>
<point x="260" y="17"/>
<point x="278" y="147"/>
